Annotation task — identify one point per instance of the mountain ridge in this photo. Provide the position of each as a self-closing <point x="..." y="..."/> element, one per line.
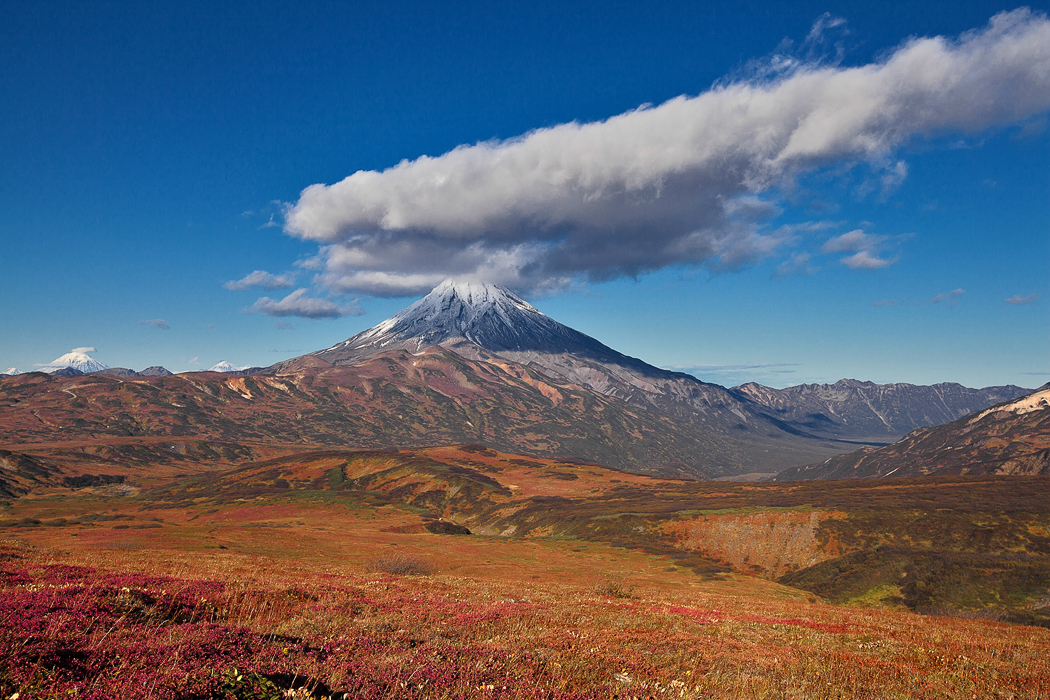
<point x="866" y="411"/>
<point x="1012" y="437"/>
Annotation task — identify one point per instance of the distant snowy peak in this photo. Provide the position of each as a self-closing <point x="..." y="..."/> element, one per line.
<point x="487" y="315"/>
<point x="226" y="367"/>
<point x="1039" y="400"/>
<point x="10" y="372"/>
<point x="77" y="359"/>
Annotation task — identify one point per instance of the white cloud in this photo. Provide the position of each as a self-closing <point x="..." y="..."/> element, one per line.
<point x="951" y="297"/>
<point x="1017" y="299"/>
<point x="763" y="372"/>
<point x="894" y="176"/>
<point x="797" y="264"/>
<point x="732" y="368"/>
<point x="689" y="182"/>
<point x="299" y="304"/>
<point x="864" y="247"/>
<point x="261" y="278"/>
<point x="851" y="242"/>
<point x="83" y="351"/>
<point x="865" y="260"/>
<point x="158" y="323"/>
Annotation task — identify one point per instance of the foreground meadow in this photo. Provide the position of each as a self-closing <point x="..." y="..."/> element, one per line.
<point x="123" y="619"/>
<point x="351" y="575"/>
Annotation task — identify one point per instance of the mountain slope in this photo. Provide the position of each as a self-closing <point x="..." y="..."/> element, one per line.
<point x="1010" y="438"/>
<point x="478" y="321"/>
<point x="856" y="410"/>
<point x="396" y="399"/>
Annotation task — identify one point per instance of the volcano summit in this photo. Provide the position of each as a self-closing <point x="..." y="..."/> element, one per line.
<point x="487" y="315"/>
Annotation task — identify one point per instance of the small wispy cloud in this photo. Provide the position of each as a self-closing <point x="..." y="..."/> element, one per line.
<point x="158" y="323"/>
<point x="894" y="176"/>
<point x="732" y="368"/>
<point x="865" y="260"/>
<point x="851" y="242"/>
<point x="884" y="302"/>
<point x="299" y="304"/>
<point x="1018" y="300"/>
<point x="761" y="372"/>
<point x="951" y="297"/>
<point x="797" y="264"/>
<point x="864" y="247"/>
<point x="284" y="326"/>
<point x="84" y="350"/>
<point x="261" y="278"/>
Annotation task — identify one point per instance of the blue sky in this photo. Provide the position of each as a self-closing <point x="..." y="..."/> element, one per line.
<point x="154" y="156"/>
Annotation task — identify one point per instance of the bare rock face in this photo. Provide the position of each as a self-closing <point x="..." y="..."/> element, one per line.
<point x="122" y="372"/>
<point x="865" y="411"/>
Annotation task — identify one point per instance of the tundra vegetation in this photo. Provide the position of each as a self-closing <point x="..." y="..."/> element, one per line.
<point x="460" y="571"/>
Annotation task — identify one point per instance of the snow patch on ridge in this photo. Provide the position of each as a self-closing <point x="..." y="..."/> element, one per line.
<point x="1039" y="401"/>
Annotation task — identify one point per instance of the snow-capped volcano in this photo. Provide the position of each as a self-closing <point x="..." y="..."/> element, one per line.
<point x="489" y="323"/>
<point x="10" y="372"/>
<point x="225" y="366"/>
<point x="487" y="315"/>
<point x="474" y="318"/>
<point x="77" y="359"/>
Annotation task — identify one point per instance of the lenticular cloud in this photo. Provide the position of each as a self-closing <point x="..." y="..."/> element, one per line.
<point x="687" y="182"/>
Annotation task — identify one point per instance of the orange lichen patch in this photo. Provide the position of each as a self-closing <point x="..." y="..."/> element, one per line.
<point x="519" y="372"/>
<point x="238" y="385"/>
<point x="771" y="542"/>
<point x="535" y="476"/>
